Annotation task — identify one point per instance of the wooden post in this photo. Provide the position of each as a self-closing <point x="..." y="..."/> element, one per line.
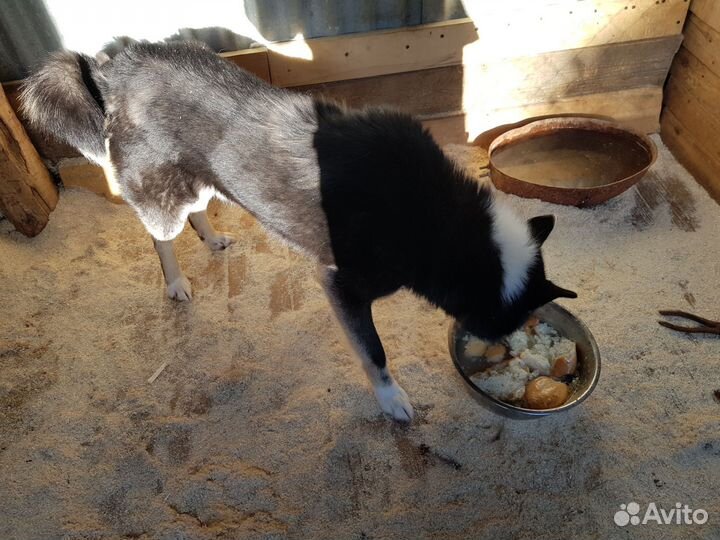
<point x="27" y="192"/>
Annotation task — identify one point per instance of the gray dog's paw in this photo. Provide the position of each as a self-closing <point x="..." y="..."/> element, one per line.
<point x="220" y="241"/>
<point x="180" y="289"/>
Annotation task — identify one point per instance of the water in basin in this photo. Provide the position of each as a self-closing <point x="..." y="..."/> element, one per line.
<point x="572" y="158"/>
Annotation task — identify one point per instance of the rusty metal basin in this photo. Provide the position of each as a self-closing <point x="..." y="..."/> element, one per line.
<point x="574" y="161"/>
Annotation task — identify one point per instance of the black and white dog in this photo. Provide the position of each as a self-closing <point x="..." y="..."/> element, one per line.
<point x="367" y="194"/>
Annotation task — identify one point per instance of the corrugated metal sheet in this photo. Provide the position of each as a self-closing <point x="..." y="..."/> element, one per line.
<point x="27" y="32"/>
<point x="442" y="10"/>
<point x="281" y="20"/>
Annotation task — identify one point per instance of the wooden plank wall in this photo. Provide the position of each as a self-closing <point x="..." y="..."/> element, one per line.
<point x="691" y="112"/>
<point x="522" y="59"/>
<point x="605" y="57"/>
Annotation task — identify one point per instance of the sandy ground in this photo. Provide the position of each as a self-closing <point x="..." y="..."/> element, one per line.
<point x="262" y="425"/>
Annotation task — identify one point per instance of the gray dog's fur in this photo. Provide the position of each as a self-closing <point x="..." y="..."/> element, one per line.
<point x="176" y="117"/>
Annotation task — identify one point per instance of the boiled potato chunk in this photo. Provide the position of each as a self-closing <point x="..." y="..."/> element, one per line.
<point x="564" y="365"/>
<point x="545" y="393"/>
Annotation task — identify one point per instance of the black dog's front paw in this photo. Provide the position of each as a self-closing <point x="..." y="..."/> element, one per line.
<point x="395" y="402"/>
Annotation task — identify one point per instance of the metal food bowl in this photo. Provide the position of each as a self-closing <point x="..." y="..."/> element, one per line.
<point x="567" y="326"/>
<point x="570" y="160"/>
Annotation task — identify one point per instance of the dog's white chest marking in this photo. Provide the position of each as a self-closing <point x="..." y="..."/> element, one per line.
<point x="517" y="249"/>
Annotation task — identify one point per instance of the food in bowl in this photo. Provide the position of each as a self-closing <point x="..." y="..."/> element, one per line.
<point x="545" y="393"/>
<point x="533" y="367"/>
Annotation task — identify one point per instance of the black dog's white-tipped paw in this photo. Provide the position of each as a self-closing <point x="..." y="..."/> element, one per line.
<point x="394" y="401"/>
<point x="180" y="289"/>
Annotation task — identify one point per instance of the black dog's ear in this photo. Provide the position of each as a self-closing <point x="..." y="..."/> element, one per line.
<point x="541" y="227"/>
<point x="552" y="291"/>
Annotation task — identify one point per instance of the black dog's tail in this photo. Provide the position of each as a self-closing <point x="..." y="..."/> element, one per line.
<point x="63" y="98"/>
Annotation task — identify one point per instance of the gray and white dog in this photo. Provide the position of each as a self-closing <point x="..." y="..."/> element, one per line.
<point x="367" y="194"/>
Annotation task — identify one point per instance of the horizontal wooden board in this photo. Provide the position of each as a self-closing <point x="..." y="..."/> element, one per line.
<point x="638" y="109"/>
<point x="447" y="129"/>
<point x="691" y="153"/>
<point x="521" y="28"/>
<point x="554" y="76"/>
<point x="708" y="11"/>
<point x="504" y="30"/>
<point x="429" y="91"/>
<point x="513" y="82"/>
<point x="693" y="95"/>
<point x="376" y="53"/>
<point x="703" y="42"/>
<point x="253" y="60"/>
